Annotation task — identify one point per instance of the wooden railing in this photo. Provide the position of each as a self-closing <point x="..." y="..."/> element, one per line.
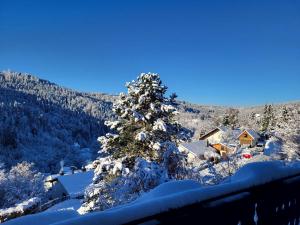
<point x="276" y="202"/>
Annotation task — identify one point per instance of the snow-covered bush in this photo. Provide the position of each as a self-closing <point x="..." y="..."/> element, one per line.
<point x="142" y="152"/>
<point x="19" y="184"/>
<point x="20" y="209"/>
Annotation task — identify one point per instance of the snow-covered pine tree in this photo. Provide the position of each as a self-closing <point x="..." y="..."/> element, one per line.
<point x="231" y="118"/>
<point x="268" y="120"/>
<point x="285" y="114"/>
<point x="141" y="152"/>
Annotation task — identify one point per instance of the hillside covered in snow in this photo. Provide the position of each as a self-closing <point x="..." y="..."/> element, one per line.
<point x="44" y="127"/>
<point x="44" y="123"/>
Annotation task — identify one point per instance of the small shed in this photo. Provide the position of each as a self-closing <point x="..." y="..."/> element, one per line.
<point x="248" y="138"/>
<point x="72" y="185"/>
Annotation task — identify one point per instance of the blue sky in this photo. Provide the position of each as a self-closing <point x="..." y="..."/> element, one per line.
<point x="211" y="52"/>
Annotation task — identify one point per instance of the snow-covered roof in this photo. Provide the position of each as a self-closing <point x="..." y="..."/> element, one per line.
<point x="213" y="131"/>
<point x="198" y="147"/>
<point x="251" y="132"/>
<point x="76" y="183"/>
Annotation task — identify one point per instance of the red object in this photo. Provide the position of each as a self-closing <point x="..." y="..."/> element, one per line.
<point x="247" y="156"/>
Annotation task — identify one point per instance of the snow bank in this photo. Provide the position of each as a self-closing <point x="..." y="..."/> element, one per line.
<point x="272" y="147"/>
<point x="169" y="188"/>
<point x="45" y="218"/>
<point x="176" y="194"/>
<point x="59" y="212"/>
<point x="71" y="204"/>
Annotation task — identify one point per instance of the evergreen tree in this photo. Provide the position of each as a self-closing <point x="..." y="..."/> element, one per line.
<point x="268" y="120"/>
<point x="285" y="114"/>
<point x="173" y="98"/>
<point x="231" y="118"/>
<point x="146" y="121"/>
<point x="141" y="151"/>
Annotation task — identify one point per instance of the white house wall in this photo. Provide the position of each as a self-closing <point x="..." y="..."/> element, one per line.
<point x="215" y="138"/>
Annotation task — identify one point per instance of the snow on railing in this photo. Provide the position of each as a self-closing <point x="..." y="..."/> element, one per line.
<point x="251" y="196"/>
<point x="259" y="193"/>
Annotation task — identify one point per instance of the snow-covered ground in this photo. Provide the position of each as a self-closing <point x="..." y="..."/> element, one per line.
<point x="71" y="204"/>
<point x="167" y="196"/>
<point x="273" y="147"/>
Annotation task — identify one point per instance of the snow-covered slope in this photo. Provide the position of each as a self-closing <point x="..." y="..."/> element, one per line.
<point x="40" y="122"/>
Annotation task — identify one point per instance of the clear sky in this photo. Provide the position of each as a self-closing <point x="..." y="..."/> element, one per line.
<point x="213" y="52"/>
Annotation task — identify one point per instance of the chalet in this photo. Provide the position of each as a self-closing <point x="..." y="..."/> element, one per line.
<point x="72" y="185"/>
<point x="214" y="136"/>
<point x="199" y="149"/>
<point x="248" y="138"/>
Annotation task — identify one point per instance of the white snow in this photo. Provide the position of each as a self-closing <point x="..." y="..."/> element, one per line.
<point x="71" y="204"/>
<point x="44" y="218"/>
<point x="142" y="136"/>
<point x="272" y="147"/>
<point x="167" y="108"/>
<point x="112" y="124"/>
<point x="179" y="193"/>
<point x="75" y="184"/>
<point x="21" y="207"/>
<point x="160" y="125"/>
<point x="168" y="188"/>
<point x="137" y="116"/>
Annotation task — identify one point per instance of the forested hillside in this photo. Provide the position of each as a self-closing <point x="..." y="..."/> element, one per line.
<point x="41" y="122"/>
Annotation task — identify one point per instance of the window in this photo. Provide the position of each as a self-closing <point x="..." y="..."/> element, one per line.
<point x="245" y="135"/>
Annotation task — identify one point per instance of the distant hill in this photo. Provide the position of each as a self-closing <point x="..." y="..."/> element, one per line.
<point x="40" y="122"/>
<point x="44" y="123"/>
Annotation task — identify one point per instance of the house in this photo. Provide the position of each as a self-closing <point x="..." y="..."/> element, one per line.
<point x="223" y="148"/>
<point x="222" y="139"/>
<point x="199" y="149"/>
<point x="56" y="190"/>
<point x="71" y="185"/>
<point x="248" y="138"/>
<point x="214" y="136"/>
